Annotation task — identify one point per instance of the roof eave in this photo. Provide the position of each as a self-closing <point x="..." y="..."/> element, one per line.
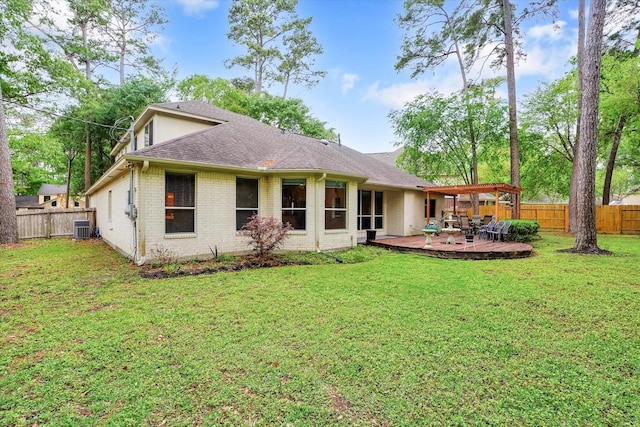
<point x="115" y="170"/>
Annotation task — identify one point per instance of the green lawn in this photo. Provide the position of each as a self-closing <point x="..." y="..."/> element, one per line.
<point x="397" y="340"/>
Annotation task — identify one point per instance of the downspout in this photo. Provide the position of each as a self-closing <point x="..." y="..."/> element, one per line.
<point x="132" y="210"/>
<point x="318" y="217"/>
<point x="139" y="226"/>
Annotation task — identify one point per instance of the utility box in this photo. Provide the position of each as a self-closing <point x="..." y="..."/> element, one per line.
<point x="81" y="229"/>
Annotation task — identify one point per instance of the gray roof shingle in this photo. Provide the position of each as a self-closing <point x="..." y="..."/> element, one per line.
<point x="50" y="189"/>
<point x="243" y="142"/>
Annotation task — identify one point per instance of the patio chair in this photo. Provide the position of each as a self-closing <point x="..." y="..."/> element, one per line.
<point x="468" y="240"/>
<point x="476" y="222"/>
<point x="483" y="231"/>
<point x="465" y="226"/>
<point x="497" y="230"/>
<point x="504" y="233"/>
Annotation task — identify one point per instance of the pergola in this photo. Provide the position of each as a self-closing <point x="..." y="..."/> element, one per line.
<point x="454" y="190"/>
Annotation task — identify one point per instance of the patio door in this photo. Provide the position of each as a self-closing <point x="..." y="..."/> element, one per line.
<point x="370" y="210"/>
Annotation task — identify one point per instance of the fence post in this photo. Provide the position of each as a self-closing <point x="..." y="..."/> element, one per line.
<point x="48" y="226"/>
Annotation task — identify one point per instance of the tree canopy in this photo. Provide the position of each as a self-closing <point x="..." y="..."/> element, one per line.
<point x="434" y="130"/>
<point x="291" y="113"/>
<point x="279" y="45"/>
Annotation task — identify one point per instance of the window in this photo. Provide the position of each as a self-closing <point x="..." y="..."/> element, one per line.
<point x="370" y="210"/>
<point x="294" y="203"/>
<point x="54" y="204"/>
<point x="180" y="192"/>
<point x="47" y="198"/>
<point x="429" y="210"/>
<point x="148" y="134"/>
<point x="246" y="200"/>
<point x="335" y="205"/>
<point x="76" y="204"/>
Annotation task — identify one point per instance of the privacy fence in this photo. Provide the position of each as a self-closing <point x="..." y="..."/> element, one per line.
<point x="609" y="219"/>
<point x="47" y="223"/>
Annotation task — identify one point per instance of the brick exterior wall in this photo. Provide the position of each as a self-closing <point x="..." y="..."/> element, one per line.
<point x="215" y="209"/>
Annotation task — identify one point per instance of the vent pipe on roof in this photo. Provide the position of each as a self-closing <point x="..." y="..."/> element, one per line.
<point x="339" y="143"/>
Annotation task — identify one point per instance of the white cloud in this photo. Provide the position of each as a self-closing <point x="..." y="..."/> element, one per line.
<point x="548" y="52"/>
<point x="573" y="13"/>
<point x="552" y="31"/>
<point x="198" y="7"/>
<point x="397" y="95"/>
<point x="349" y="81"/>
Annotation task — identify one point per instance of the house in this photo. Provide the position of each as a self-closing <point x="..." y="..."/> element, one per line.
<point x="55" y="196"/>
<point x="51" y="195"/>
<point x="193" y="174"/>
<point x="24" y="203"/>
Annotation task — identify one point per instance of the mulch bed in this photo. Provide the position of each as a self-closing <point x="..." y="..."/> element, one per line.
<point x="209" y="267"/>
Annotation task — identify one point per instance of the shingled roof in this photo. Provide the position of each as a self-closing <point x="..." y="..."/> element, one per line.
<point x="245" y="143"/>
<point x="51" y="189"/>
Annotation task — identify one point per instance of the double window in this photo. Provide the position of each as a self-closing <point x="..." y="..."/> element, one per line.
<point x="370" y="210"/>
<point x="294" y="203"/>
<point x="335" y="205"/>
<point x="246" y="200"/>
<point x="180" y="203"/>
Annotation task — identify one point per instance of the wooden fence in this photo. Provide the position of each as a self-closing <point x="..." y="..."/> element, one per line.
<point x="46" y="223"/>
<point x="609" y="219"/>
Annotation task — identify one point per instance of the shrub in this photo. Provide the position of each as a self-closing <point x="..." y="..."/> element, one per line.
<point x="266" y="233"/>
<point x="162" y="256"/>
<point x="523" y="230"/>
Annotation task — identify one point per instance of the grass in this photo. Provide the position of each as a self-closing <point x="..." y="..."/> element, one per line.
<point x="396" y="340"/>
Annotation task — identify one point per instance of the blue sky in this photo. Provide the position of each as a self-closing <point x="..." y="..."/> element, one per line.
<point x="361" y="44"/>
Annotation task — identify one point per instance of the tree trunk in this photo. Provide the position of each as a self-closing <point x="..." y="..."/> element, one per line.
<point x="573" y="186"/>
<point x="475" y="204"/>
<point x="123" y="52"/>
<point x="8" y="218"/>
<point x="611" y="163"/>
<point x="87" y="158"/>
<point x="70" y="158"/>
<point x="286" y="87"/>
<point x="586" y="235"/>
<point x="513" y="117"/>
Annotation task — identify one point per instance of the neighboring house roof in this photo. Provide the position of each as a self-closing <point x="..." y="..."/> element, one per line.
<point x="27" y="202"/>
<point x="48" y="189"/>
<point x="389" y="157"/>
<point x="245" y="143"/>
<point x="481" y="197"/>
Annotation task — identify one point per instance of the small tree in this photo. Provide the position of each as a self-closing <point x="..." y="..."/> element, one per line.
<point x="266" y="233"/>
